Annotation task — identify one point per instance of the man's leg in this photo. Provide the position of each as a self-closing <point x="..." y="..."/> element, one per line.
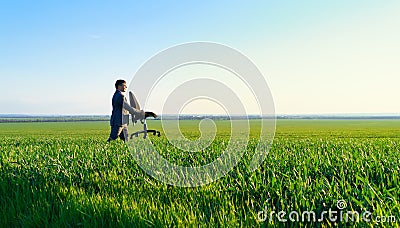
<point x="124" y="133"/>
<point x="115" y="132"/>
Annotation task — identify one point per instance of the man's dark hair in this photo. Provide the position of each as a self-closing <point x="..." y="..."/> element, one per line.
<point x="119" y="82"/>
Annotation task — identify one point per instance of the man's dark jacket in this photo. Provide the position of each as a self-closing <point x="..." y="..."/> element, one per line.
<point x="117" y="112"/>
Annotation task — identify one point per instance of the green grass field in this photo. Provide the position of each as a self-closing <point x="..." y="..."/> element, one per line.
<point x="64" y="174"/>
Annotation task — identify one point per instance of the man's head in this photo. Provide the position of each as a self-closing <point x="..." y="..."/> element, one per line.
<point x="120" y="85"/>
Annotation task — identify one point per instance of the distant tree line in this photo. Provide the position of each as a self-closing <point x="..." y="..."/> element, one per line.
<point x="52" y="119"/>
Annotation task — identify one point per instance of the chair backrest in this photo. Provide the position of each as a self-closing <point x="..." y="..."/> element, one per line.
<point x="133" y="101"/>
<point x="134" y="104"/>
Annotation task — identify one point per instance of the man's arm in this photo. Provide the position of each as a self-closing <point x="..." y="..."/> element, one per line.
<point x="131" y="110"/>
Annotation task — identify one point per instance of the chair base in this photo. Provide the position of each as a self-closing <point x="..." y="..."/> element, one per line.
<point x="154" y="132"/>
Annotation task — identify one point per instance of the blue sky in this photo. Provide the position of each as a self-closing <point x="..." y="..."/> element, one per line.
<point x="62" y="57"/>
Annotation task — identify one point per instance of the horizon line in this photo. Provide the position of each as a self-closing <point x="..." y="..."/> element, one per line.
<point x="3" y="115"/>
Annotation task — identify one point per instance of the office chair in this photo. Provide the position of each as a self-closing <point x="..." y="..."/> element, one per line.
<point x="135" y="104"/>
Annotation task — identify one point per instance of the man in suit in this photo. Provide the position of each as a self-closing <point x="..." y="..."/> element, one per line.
<point x="120" y="114"/>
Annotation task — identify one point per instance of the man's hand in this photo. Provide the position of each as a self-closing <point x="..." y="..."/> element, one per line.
<point x="142" y="114"/>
